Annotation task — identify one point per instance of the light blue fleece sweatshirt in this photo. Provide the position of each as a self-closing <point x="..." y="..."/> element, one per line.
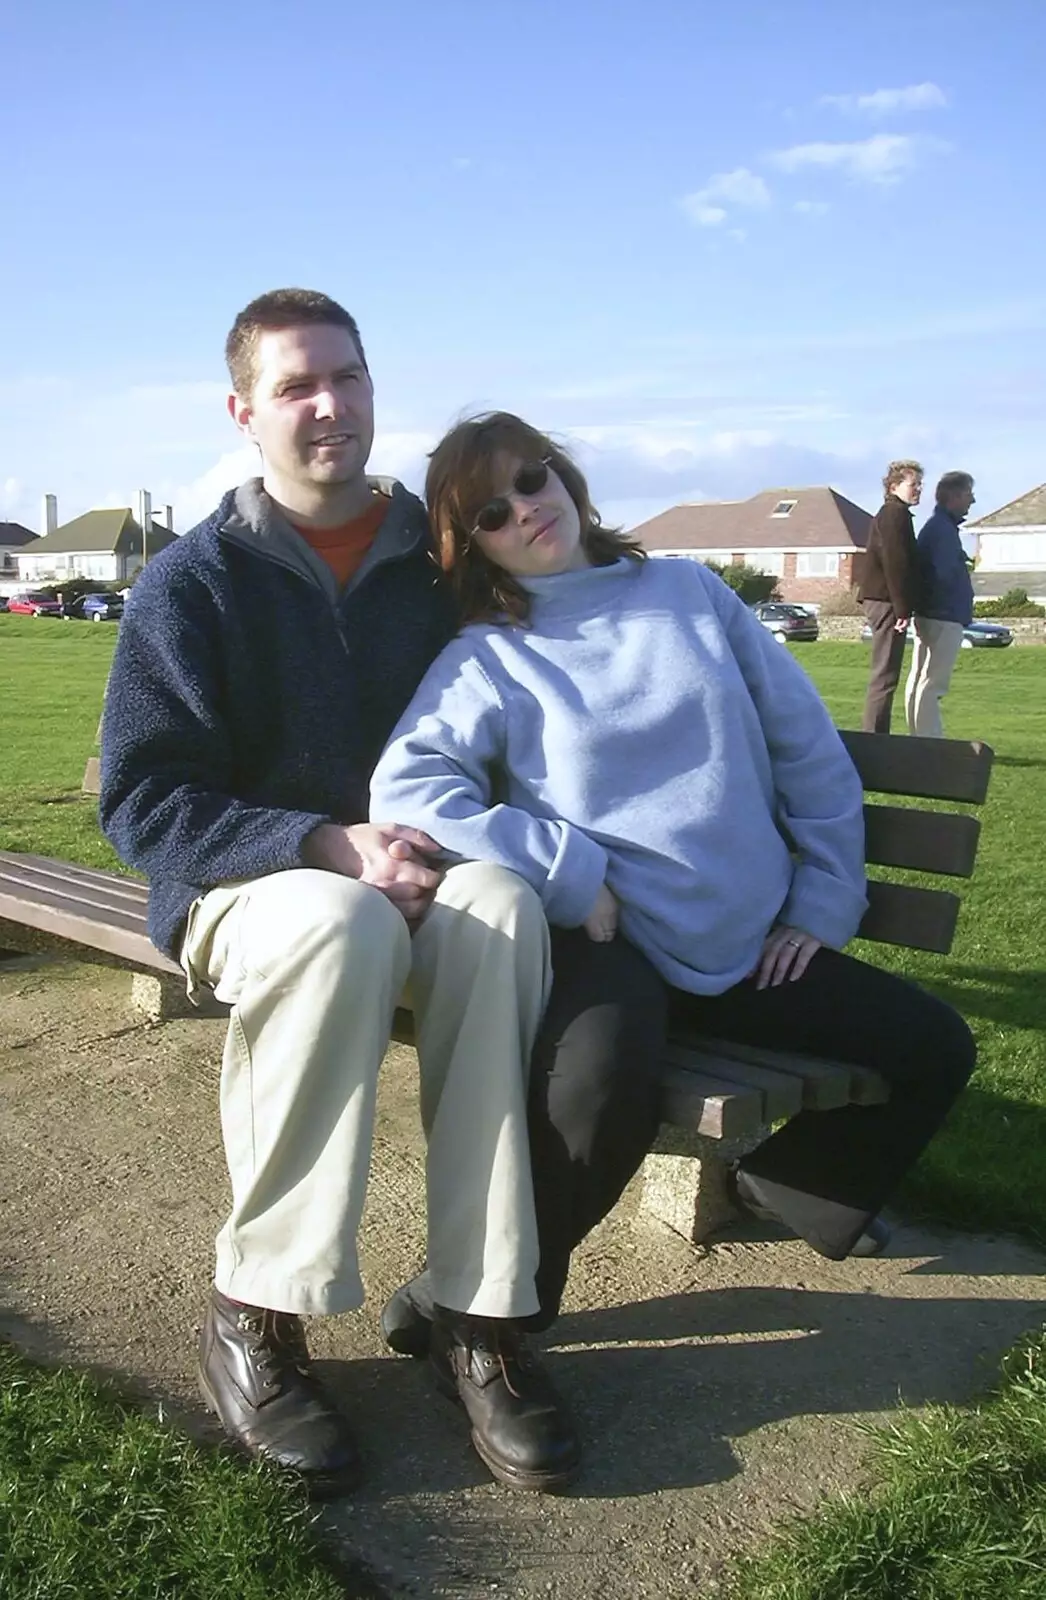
<point x="644" y="730"/>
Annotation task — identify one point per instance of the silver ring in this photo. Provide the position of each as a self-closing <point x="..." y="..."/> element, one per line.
<point x="793" y="942"/>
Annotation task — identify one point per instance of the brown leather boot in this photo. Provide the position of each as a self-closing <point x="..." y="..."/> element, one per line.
<point x="521" y="1427"/>
<point x="256" y="1373"/>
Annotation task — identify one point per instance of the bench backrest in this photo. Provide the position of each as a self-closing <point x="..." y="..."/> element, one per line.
<point x="107" y="910"/>
<point x="939" y="842"/>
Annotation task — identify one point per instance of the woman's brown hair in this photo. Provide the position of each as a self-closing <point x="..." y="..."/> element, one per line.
<point x="464" y="475"/>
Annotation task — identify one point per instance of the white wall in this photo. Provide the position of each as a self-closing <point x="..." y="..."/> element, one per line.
<point x="101" y="565"/>
<point x="1012" y="550"/>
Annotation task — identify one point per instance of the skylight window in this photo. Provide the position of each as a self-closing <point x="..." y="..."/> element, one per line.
<point x="784" y="508"/>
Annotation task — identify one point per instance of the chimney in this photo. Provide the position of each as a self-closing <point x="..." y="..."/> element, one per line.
<point x="49" y="514"/>
<point x="169" y="514"/>
<point x="145" y="520"/>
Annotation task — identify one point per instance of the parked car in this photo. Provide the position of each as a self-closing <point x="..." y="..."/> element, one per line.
<point x="34" y="605"/>
<point x="99" y="607"/>
<point x="785" y="621"/>
<point x="986" y="635"/>
<point x="978" y="636"/>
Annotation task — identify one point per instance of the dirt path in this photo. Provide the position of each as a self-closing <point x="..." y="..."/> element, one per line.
<point x="715" y="1388"/>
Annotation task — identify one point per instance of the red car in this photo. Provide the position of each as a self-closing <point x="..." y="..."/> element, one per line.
<point x="34" y="605"/>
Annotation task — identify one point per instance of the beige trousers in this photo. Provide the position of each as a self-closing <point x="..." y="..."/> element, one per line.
<point x="313" y="965"/>
<point x="933" y="658"/>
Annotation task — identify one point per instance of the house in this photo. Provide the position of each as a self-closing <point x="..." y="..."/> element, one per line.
<point x="107" y="546"/>
<point x="14" y="539"/>
<point x="808" y="538"/>
<point x="1011" y="548"/>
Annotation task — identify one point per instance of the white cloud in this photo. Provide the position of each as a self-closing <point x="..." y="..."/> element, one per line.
<point x="707" y="206"/>
<point x="811" y="208"/>
<point x="885" y="102"/>
<point x="881" y="159"/>
<point x="706" y="216"/>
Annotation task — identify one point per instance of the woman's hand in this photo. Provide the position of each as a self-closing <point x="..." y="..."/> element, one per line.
<point x="787" y="953"/>
<point x="601" y="922"/>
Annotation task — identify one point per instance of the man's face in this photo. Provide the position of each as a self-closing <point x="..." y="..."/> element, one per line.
<point x="959" y="501"/>
<point x="311" y="410"/>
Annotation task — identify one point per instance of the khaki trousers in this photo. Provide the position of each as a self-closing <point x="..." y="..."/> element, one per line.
<point x="313" y="965"/>
<point x="936" y="646"/>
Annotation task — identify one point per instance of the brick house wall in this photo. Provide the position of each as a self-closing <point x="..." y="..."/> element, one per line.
<point x="807" y="590"/>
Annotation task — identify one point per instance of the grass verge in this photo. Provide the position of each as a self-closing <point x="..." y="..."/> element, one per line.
<point x="99" y="1499"/>
<point x="956" y="1511"/>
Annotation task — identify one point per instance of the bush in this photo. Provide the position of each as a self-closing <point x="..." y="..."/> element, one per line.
<point x="1014" y="603"/>
<point x="72" y="588"/>
<point x="748" y="583"/>
<point x="843" y="604"/>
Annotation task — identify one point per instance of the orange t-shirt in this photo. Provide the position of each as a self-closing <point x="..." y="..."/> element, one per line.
<point x="343" y="548"/>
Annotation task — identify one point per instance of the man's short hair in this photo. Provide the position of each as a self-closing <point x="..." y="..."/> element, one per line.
<point x="271" y="312"/>
<point x="952" y="483"/>
<point x="897" y="471"/>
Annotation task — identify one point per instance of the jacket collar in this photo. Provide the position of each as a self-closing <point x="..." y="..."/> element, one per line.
<point x="255" y="522"/>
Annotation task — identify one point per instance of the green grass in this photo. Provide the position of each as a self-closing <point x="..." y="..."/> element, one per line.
<point x="987" y="1169"/>
<point x="956" y="1510"/>
<point x="98" y="1499"/>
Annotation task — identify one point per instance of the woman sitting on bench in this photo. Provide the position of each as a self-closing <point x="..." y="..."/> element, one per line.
<point x="623" y="734"/>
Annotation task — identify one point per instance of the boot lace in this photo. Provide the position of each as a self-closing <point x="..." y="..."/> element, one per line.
<point x="278" y="1344"/>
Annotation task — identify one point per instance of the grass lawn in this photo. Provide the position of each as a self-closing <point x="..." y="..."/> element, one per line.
<point x="98" y="1500"/>
<point x="960" y="1508"/>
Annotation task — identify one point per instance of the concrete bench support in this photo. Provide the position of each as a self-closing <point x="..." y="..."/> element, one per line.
<point x="684" y="1180"/>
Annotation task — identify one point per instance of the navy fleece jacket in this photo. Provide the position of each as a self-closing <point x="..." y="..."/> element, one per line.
<point x="945" y="585"/>
<point x="249" y="699"/>
<point x="644" y="731"/>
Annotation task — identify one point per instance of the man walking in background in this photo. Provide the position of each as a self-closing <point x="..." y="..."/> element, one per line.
<point x="887" y="590"/>
<point x="944" y="605"/>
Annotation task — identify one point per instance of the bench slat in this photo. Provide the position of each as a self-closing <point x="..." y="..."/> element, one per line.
<point x="709" y="1106"/>
<point x="926" y="841"/>
<point x="930" y="769"/>
<point x="29" y="870"/>
<point x="782" y="1094"/>
<point x="917" y="919"/>
<point x="824" y="1085"/>
<point x="117" y="932"/>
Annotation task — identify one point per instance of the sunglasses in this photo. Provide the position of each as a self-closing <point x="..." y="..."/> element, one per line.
<point x="529" y="479"/>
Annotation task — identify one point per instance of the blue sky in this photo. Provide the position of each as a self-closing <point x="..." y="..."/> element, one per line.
<point x="722" y="247"/>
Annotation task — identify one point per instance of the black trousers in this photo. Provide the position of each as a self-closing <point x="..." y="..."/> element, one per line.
<point x="593" y="1095"/>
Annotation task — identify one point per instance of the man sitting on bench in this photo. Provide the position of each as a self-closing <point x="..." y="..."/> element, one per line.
<point x="262" y="663"/>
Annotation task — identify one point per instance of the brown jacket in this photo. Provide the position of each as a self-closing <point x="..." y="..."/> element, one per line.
<point x="890" y="571"/>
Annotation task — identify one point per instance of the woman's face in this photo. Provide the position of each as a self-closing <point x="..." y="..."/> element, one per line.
<point x="909" y="489"/>
<point x="541" y="534"/>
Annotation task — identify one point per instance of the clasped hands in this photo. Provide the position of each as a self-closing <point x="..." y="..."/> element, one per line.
<point x="391" y="858"/>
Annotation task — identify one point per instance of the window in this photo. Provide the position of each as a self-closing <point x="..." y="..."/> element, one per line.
<point x="817" y="564"/>
<point x="771" y="561"/>
<point x="784" y="508"/>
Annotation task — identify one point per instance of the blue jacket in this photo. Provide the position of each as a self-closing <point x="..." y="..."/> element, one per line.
<point x="249" y="699"/>
<point x="643" y="730"/>
<point x="945" y="588"/>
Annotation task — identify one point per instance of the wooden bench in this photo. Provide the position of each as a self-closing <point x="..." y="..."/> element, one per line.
<point x="717" y="1099"/>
